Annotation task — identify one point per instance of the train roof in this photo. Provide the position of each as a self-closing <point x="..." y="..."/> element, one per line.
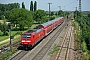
<point x="50" y="22"/>
<point x="56" y="19"/>
<point x="47" y="23"/>
<point x="34" y="31"/>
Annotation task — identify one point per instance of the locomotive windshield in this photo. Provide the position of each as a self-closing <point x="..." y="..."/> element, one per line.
<point x="26" y="36"/>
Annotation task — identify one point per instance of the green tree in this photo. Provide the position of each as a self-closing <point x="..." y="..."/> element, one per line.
<point x="11" y="6"/>
<point x="56" y="13"/>
<point x="76" y="14"/>
<point x="23" y="6"/>
<point x="66" y="13"/>
<point x="31" y="6"/>
<point x="84" y="23"/>
<point x="0" y="26"/>
<point x="21" y="17"/>
<point x="89" y="15"/>
<point x="13" y="15"/>
<point x="35" y="6"/>
<point x="5" y="7"/>
<point x="61" y="13"/>
<point x="4" y="28"/>
<point x="29" y="18"/>
<point x="2" y="7"/>
<point x="6" y="14"/>
<point x="1" y="13"/>
<point x="44" y="19"/>
<point x="39" y="15"/>
<point x="25" y="19"/>
<point x="52" y="13"/>
<point x="52" y="17"/>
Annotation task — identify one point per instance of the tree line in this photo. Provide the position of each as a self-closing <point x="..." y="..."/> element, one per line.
<point x="6" y="7"/>
<point x="21" y="17"/>
<point x="84" y="23"/>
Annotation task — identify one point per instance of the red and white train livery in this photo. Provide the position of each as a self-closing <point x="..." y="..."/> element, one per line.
<point x="31" y="37"/>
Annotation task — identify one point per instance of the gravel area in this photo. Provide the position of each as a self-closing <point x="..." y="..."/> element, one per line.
<point x="70" y="55"/>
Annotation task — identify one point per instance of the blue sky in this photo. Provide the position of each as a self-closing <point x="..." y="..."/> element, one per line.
<point x="42" y="4"/>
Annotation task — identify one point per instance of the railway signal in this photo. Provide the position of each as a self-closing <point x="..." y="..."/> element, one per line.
<point x="11" y="37"/>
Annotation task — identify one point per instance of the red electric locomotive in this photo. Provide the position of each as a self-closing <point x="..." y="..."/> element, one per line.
<point x="31" y="37"/>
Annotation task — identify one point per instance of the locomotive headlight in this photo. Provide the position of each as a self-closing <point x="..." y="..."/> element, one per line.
<point x="23" y="40"/>
<point x="28" y="41"/>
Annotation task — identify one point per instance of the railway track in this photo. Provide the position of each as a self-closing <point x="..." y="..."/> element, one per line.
<point x="43" y="51"/>
<point x="23" y="53"/>
<point x="19" y="55"/>
<point x="63" y="52"/>
<point x="6" y="47"/>
<point x="45" y="48"/>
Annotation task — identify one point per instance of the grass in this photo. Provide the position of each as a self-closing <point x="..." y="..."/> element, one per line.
<point x="60" y="37"/>
<point x="3" y="38"/>
<point x="54" y="49"/>
<point x="15" y="32"/>
<point x="66" y="27"/>
<point x="77" y="32"/>
<point x="4" y="43"/>
<point x="7" y="54"/>
<point x="15" y="39"/>
<point x="75" y="24"/>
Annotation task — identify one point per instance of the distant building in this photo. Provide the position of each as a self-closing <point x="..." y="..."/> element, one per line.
<point x="2" y="21"/>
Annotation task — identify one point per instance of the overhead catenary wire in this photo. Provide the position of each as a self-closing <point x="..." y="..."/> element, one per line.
<point x="64" y="5"/>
